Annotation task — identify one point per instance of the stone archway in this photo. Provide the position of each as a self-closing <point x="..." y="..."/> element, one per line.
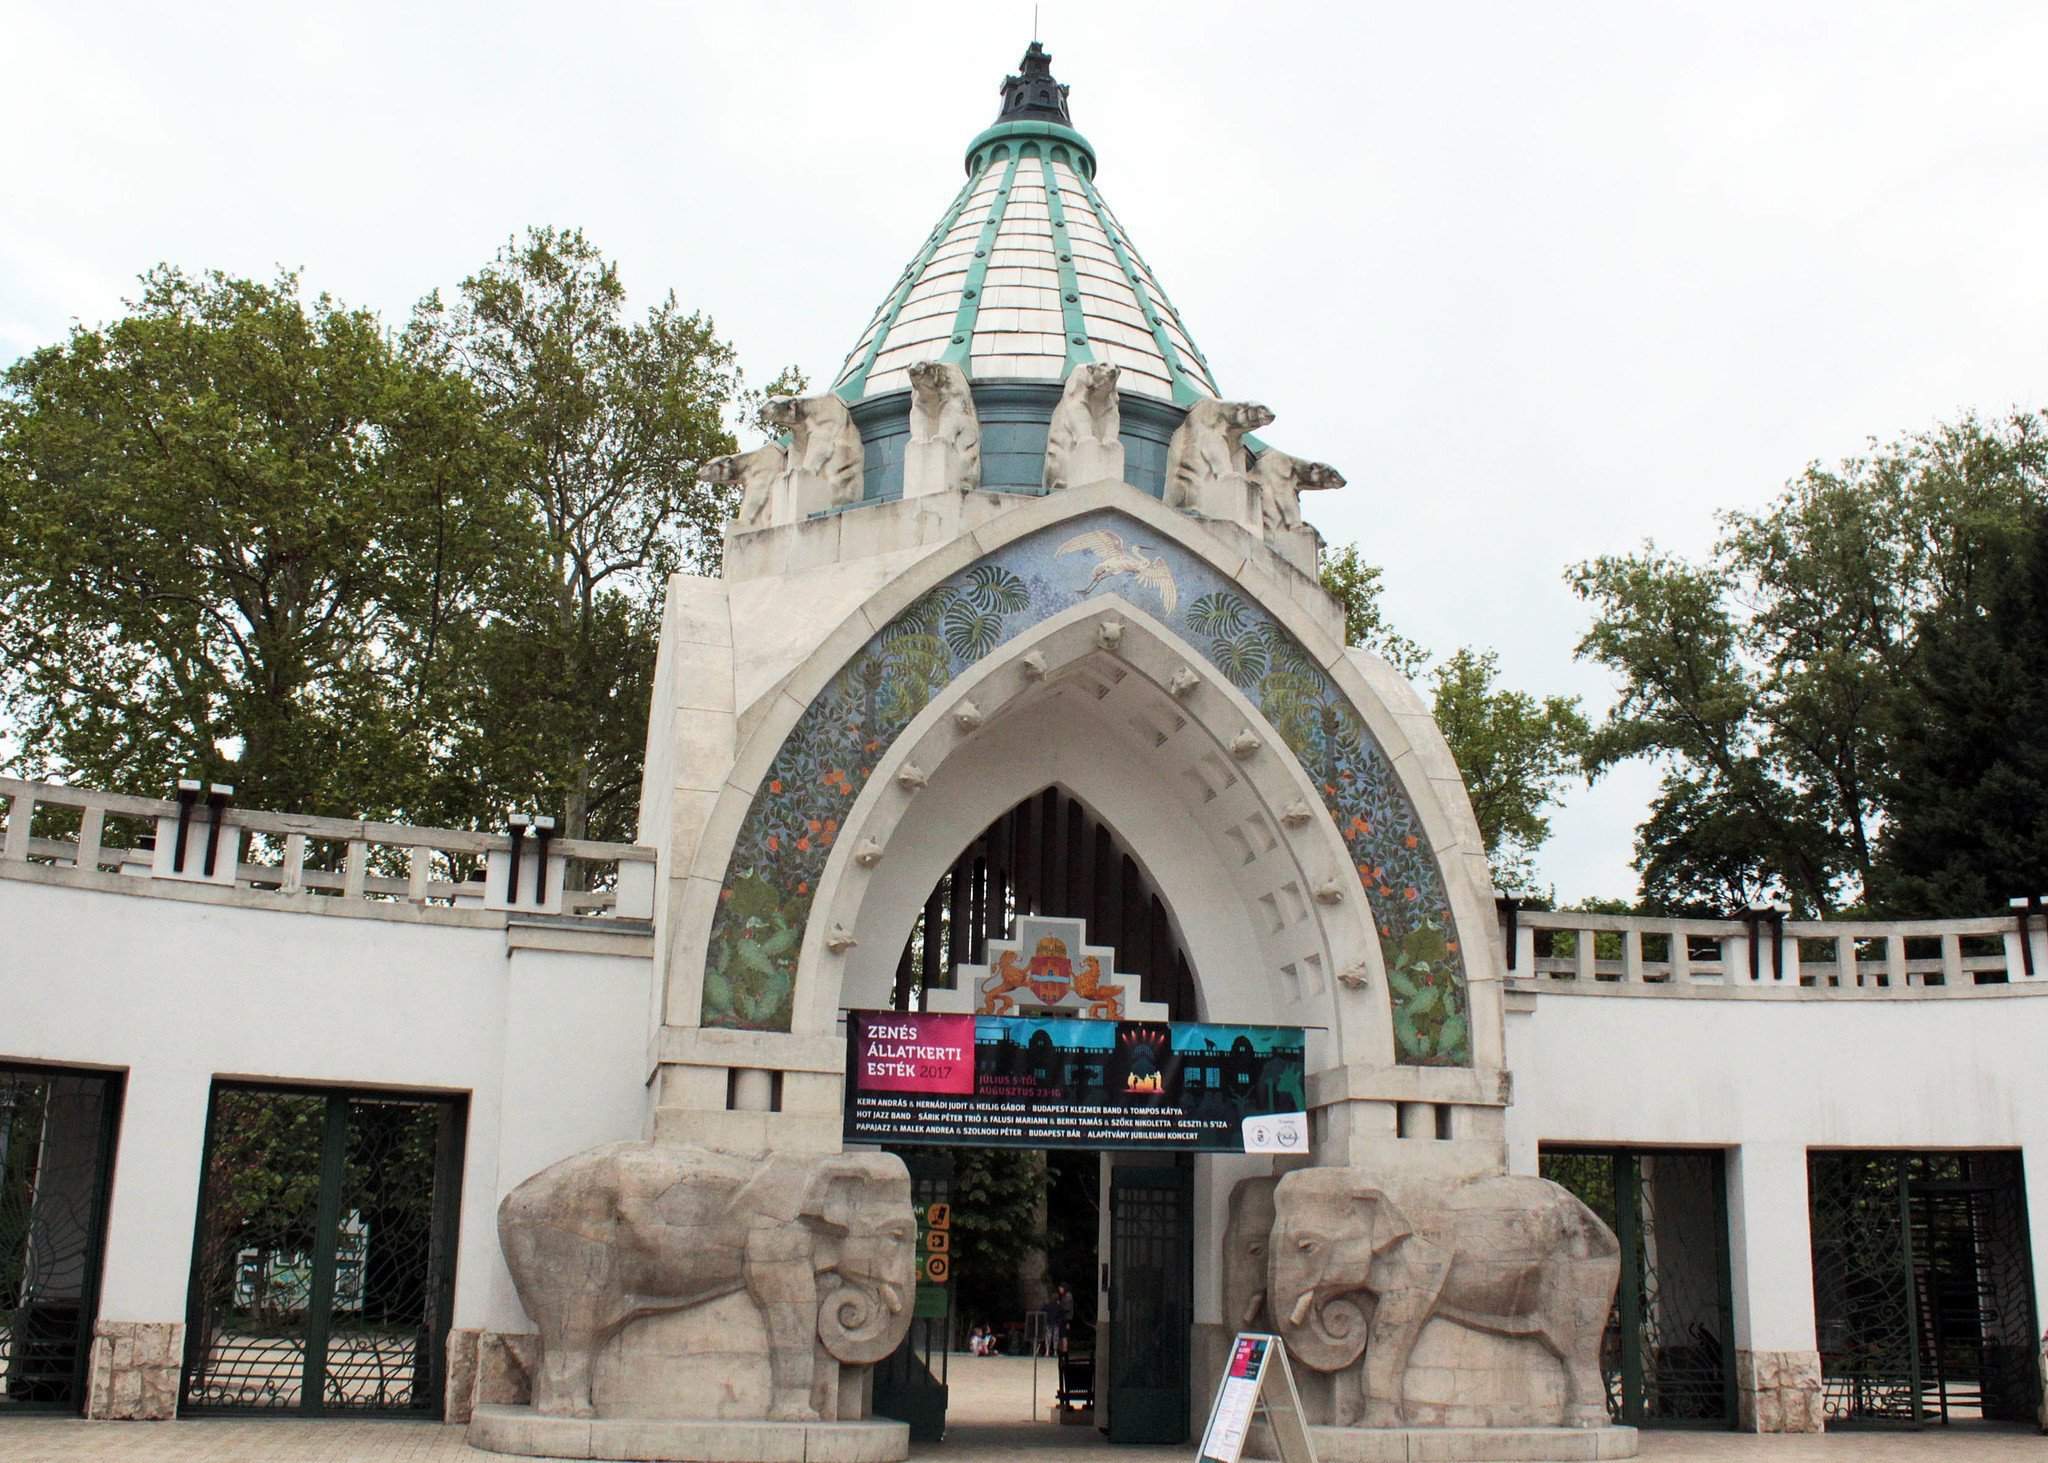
<point x="1210" y="826"/>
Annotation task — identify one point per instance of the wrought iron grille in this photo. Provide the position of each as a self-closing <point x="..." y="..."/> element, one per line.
<point x="56" y="1155"/>
<point x="1667" y="1350"/>
<point x="1151" y="1287"/>
<point x="1922" y="1287"/>
<point x="323" y="1270"/>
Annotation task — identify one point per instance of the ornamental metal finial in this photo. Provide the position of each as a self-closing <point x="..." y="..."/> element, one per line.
<point x="1034" y="96"/>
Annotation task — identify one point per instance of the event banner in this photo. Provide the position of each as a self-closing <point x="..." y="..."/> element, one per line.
<point x="920" y="1077"/>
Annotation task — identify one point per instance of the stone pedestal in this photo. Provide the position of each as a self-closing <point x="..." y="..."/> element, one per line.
<point x="1234" y="498"/>
<point x="799" y="494"/>
<point x="1089" y="461"/>
<point x="1779" y="1391"/>
<point x="133" y="1372"/>
<point x="935" y="467"/>
<point x="524" y="1432"/>
<point x="1462" y="1444"/>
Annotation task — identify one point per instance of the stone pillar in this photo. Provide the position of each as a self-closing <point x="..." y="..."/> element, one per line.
<point x="1777" y="1365"/>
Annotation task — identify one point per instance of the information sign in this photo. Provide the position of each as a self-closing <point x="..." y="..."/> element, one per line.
<point x="919" y="1077"/>
<point x="934" y="1262"/>
<point x="1257" y="1383"/>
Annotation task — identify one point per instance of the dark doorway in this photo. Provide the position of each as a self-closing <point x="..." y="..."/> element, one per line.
<point x="1151" y="1303"/>
<point x="323" y="1272"/>
<point x="1923" y="1290"/>
<point x="56" y="1159"/>
<point x="1048" y="855"/>
<point x="910" y="1385"/>
<point x="1668" y="1352"/>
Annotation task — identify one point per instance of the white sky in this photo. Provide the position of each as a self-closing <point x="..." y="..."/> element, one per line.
<point x="1542" y="280"/>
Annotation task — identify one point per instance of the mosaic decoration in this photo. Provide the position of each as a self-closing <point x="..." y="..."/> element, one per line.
<point x="797" y="814"/>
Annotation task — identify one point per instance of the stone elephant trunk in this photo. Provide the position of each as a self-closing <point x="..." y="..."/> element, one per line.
<point x="824" y="1248"/>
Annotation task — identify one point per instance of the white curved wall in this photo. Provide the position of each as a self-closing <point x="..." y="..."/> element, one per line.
<point x="1768" y="1078"/>
<point x="549" y="1046"/>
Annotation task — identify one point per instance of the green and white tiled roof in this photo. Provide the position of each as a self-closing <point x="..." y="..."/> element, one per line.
<point x="1029" y="274"/>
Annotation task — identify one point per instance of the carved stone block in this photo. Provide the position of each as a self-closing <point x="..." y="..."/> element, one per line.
<point x="819" y="1252"/>
<point x="1357" y="1277"/>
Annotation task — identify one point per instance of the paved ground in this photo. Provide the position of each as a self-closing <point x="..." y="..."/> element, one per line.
<point x="990" y="1423"/>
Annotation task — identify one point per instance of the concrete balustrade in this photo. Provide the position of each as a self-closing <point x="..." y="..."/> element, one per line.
<point x="305" y="861"/>
<point x="1852" y="959"/>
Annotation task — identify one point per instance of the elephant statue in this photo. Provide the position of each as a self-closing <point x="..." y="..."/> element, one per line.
<point x="1352" y="1273"/>
<point x="825" y="1247"/>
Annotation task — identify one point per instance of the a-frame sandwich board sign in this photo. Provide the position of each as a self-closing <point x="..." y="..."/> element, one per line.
<point x="1257" y="1381"/>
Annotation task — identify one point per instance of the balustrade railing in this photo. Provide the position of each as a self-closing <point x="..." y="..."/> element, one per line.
<point x="296" y="857"/>
<point x="1551" y="948"/>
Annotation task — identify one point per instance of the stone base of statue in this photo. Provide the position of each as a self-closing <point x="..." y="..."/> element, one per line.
<point x="1089" y="461"/>
<point x="1464" y="1444"/>
<point x="937" y="467"/>
<point x="526" y="1433"/>
<point x="1232" y="497"/>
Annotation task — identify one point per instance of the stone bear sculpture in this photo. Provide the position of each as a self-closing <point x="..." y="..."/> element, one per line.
<point x="755" y="474"/>
<point x="1282" y="480"/>
<point x="825" y="1247"/>
<point x="1205" y="461"/>
<point x="1082" y="437"/>
<point x="824" y="448"/>
<point x="1352" y="1273"/>
<point x="942" y="415"/>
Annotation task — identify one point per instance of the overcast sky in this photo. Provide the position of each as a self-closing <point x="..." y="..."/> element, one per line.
<point x="1544" y="281"/>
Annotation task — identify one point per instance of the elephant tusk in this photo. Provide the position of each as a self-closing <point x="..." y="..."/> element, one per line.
<point x="892" y="1298"/>
<point x="1301" y="1308"/>
<point x="1252" y="1308"/>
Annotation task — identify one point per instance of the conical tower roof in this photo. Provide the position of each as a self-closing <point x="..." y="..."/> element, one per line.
<point x="1028" y="272"/>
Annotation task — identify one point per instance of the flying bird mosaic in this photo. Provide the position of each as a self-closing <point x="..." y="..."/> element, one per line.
<point x="1114" y="560"/>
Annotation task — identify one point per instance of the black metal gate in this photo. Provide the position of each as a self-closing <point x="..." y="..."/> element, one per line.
<point x="56" y="1157"/>
<point x="1151" y="1303"/>
<point x="323" y="1272"/>
<point x="910" y="1385"/>
<point x="1922" y="1287"/>
<point x="1669" y="1343"/>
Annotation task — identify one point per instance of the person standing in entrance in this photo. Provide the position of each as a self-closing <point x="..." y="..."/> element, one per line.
<point x="1062" y="1308"/>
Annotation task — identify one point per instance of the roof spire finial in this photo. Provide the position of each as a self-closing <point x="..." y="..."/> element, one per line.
<point x="1033" y="95"/>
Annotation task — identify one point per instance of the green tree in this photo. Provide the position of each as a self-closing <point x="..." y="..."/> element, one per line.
<point x="1770" y="681"/>
<point x="997" y="1194"/>
<point x="1356" y="586"/>
<point x="606" y="421"/>
<point x="1516" y="753"/>
<point x="241" y="535"/>
<point x="1968" y="783"/>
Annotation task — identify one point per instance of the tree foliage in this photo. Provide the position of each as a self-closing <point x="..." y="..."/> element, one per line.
<point x="1772" y="680"/>
<point x="1967" y="801"/>
<point x="1517" y="755"/>
<point x="245" y="536"/>
<point x="1356" y="585"/>
<point x="259" y="539"/>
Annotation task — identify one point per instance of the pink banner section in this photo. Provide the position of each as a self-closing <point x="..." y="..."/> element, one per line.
<point x="914" y="1051"/>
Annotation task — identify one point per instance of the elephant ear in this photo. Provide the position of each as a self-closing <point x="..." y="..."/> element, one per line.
<point x="1389" y="1225"/>
<point x="834" y="1190"/>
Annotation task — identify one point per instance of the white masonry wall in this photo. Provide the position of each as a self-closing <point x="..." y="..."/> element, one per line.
<point x="548" y="1044"/>
<point x="1767" y="1076"/>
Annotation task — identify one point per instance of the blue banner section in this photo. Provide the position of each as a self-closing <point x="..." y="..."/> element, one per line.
<point x="1061" y="1082"/>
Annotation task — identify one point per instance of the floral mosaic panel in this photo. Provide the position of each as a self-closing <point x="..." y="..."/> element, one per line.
<point x="798" y="812"/>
